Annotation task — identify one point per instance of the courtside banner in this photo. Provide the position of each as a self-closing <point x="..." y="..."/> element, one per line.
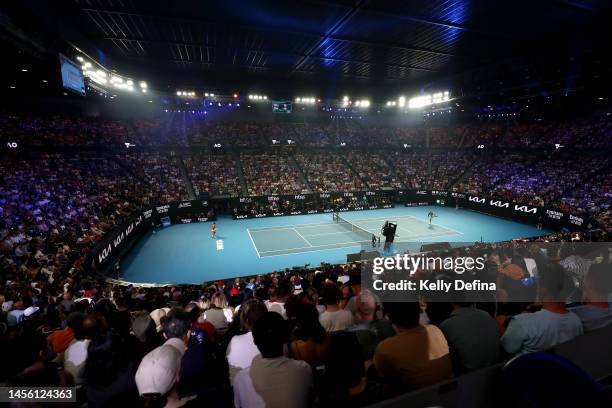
<point x="120" y="238"/>
<point x="516" y="211"/>
<point x="506" y="272"/>
<point x="105" y="252"/>
<point x="311" y="203"/>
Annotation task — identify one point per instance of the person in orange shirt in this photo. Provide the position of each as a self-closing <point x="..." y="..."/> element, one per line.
<point x="417" y="356"/>
<point x="213" y="230"/>
<point x="59" y="340"/>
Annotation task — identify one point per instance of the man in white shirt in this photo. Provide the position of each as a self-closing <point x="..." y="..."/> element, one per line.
<point x="272" y="381"/>
<point x="75" y="355"/>
<point x="554" y="324"/>
<point x="278" y="297"/>
<point x="334" y="318"/>
<point x="242" y="348"/>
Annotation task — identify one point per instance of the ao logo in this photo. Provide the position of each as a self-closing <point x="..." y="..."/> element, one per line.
<point x="11" y="145"/>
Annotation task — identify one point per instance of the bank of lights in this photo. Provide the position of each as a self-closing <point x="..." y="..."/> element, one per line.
<point x="427" y="100"/>
<point x="307" y="101"/>
<point x="258" y="98"/>
<point x="185" y="93"/>
<point x="104" y="78"/>
<point x="363" y="103"/>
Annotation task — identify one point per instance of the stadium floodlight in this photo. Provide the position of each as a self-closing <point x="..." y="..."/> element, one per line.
<point x="212" y="95"/>
<point x="401" y="101"/>
<point x="79" y="58"/>
<point x="143" y="84"/>
<point x="178" y="93"/>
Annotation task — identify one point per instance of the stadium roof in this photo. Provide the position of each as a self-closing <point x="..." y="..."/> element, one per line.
<point x="330" y="45"/>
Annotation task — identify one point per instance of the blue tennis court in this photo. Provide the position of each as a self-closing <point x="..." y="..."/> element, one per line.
<point x="188" y="254"/>
<point x="292" y="239"/>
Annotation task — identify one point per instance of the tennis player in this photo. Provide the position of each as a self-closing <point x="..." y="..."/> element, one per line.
<point x="213" y="230"/>
<point x="431" y="216"/>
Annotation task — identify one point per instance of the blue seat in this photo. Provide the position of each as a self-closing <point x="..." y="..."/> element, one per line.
<point x="546" y="380"/>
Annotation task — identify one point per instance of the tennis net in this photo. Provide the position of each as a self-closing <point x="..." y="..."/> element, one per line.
<point x="356" y="229"/>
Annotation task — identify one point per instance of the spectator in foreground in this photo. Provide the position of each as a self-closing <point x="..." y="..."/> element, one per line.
<point x="220" y="314"/>
<point x="158" y="371"/>
<point x="272" y="380"/>
<point x="369" y="329"/>
<point x="417" y="356"/>
<point x="472" y="338"/>
<point x="596" y="312"/>
<point x="109" y="372"/>
<point x="554" y="324"/>
<point x="334" y="318"/>
<point x="310" y="342"/>
<point x="346" y="382"/>
<point x="75" y="356"/>
<point x="242" y="348"/>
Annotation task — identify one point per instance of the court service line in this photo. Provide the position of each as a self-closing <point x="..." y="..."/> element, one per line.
<point x="316" y="246"/>
<point x="315" y="250"/>
<point x="253" y="242"/>
<point x="301" y="236"/>
<point x="330" y="233"/>
<point x="285" y="227"/>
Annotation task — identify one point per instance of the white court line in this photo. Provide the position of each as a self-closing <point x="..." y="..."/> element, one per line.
<point x="301" y="236"/>
<point x="330" y="233"/>
<point x="253" y="242"/>
<point x="316" y="246"/>
<point x="264" y="229"/>
<point x="357" y="244"/>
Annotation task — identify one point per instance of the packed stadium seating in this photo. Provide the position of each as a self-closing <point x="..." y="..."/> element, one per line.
<point x="55" y="206"/>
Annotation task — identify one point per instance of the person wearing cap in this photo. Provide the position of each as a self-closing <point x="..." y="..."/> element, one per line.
<point x="158" y="371"/>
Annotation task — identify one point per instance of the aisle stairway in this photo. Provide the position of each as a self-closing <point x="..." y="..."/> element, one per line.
<point x="243" y="184"/>
<point x="301" y="173"/>
<point x="189" y="187"/>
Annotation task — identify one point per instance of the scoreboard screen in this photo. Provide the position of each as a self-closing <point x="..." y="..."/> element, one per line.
<point x="282" y="106"/>
<point x="72" y="76"/>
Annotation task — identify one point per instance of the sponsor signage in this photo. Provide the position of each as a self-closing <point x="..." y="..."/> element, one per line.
<point x="550" y="218"/>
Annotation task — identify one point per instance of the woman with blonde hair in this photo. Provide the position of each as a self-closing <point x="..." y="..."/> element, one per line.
<point x="220" y="314"/>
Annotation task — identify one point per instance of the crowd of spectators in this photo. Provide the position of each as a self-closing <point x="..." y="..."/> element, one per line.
<point x="328" y="172"/>
<point x="271" y="173"/>
<point x="373" y="170"/>
<point x="543" y="181"/>
<point x="319" y="332"/>
<point x="56" y="130"/>
<point x="160" y="171"/>
<point x="215" y="174"/>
